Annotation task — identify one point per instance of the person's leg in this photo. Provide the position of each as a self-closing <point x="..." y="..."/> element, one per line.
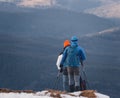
<point x="71" y="78"/>
<point x="77" y="78"/>
<point x="65" y="83"/>
<point x="65" y="80"/>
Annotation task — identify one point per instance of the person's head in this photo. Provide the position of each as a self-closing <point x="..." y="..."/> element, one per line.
<point x="74" y="41"/>
<point x="66" y="43"/>
<point x="74" y="38"/>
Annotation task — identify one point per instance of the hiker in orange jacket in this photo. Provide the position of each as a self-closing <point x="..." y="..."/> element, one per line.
<point x="64" y="69"/>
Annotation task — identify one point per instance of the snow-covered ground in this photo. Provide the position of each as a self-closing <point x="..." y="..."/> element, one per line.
<point x="51" y="94"/>
<point x="107" y="11"/>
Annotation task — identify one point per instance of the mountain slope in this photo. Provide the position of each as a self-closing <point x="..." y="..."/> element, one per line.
<point x="103" y="59"/>
<point x="52" y="21"/>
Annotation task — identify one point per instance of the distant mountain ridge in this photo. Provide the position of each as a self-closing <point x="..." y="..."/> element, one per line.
<point x="102" y="8"/>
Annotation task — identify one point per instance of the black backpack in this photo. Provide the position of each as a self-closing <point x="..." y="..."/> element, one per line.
<point x="82" y="84"/>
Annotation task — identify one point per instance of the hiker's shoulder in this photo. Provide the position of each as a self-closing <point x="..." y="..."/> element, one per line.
<point x="79" y="48"/>
<point x="67" y="47"/>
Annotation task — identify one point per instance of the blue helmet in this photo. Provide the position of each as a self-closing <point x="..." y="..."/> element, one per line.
<point x="74" y="38"/>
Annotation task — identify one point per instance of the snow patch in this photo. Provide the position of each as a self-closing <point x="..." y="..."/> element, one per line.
<point x="111" y="10"/>
<point x="34" y="3"/>
<point x="103" y="32"/>
<point x="53" y="94"/>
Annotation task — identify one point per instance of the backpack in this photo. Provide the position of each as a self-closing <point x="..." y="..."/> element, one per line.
<point x="82" y="84"/>
<point x="72" y="56"/>
<point x="59" y="59"/>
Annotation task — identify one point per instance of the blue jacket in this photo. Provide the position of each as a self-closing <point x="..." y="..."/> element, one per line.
<point x="73" y="61"/>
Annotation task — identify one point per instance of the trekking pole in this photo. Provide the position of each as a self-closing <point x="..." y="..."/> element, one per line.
<point x="56" y="81"/>
<point x="84" y="73"/>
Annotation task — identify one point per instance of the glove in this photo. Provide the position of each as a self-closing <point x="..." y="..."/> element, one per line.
<point x="61" y="65"/>
<point x="61" y="69"/>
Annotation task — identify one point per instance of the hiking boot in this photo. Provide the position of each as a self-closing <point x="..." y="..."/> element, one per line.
<point x="71" y="88"/>
<point x="77" y="88"/>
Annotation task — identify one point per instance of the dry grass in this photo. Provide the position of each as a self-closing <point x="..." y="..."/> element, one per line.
<point x="72" y="95"/>
<point x="55" y="93"/>
<point x="88" y="93"/>
<point x="5" y="90"/>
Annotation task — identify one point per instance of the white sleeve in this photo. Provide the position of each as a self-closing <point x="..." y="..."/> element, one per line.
<point x="59" y="61"/>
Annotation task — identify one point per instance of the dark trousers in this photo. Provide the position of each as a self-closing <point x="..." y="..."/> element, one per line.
<point x="65" y="79"/>
<point x="73" y="76"/>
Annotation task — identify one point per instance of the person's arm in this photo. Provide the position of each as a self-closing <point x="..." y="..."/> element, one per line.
<point x="59" y="61"/>
<point x="82" y="56"/>
<point x="81" y="61"/>
<point x="63" y="58"/>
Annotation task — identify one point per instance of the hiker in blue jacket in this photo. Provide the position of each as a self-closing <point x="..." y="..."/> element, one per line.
<point x="73" y="57"/>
